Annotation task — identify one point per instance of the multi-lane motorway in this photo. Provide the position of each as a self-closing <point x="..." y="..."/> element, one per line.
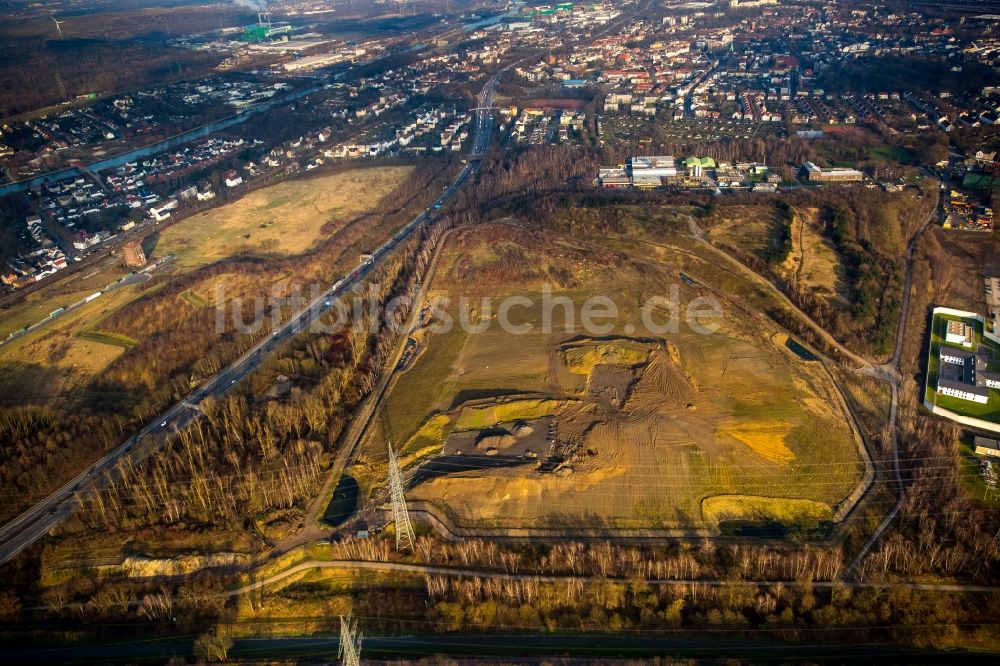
<point x="34" y="523"/>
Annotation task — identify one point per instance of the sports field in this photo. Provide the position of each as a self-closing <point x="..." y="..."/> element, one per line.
<point x="631" y="427"/>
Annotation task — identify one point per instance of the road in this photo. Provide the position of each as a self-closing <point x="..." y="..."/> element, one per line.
<point x="526" y="645"/>
<point x="483" y="573"/>
<point x="890" y="374"/>
<point x="887" y="372"/>
<point x="34" y="523"/>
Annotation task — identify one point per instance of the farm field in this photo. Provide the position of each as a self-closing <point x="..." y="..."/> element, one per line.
<point x="284" y="219"/>
<point x="630" y="427"/>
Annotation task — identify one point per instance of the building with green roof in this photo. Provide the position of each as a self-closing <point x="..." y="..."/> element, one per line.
<point x="703" y="162"/>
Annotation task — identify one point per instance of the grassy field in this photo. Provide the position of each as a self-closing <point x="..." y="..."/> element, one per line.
<point x="891" y="154"/>
<point x="284" y="219"/>
<point x="65" y="354"/>
<point x="722" y="507"/>
<point x="752" y="229"/>
<point x="287" y="218"/>
<point x="813" y="264"/>
<point x="645" y="426"/>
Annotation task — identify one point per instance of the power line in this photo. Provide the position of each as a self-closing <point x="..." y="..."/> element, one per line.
<point x="350" y="642"/>
<point x="404" y="530"/>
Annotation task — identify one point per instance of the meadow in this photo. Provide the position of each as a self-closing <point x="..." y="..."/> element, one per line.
<point x="285" y="219"/>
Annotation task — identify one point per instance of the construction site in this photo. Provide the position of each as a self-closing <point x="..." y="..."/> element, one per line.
<point x="628" y="433"/>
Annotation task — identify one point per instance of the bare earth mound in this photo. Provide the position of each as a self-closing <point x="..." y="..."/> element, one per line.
<point x="628" y="430"/>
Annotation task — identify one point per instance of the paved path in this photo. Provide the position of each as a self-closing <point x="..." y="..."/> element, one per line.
<point x="475" y="572"/>
<point x="890" y="374"/>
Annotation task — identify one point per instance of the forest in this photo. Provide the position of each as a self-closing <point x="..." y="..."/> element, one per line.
<point x="36" y="75"/>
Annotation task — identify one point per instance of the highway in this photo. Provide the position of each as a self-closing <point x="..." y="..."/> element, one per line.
<point x="37" y="521"/>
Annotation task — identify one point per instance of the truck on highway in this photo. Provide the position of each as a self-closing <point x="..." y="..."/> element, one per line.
<point x="57" y="312"/>
<point x="96" y="294"/>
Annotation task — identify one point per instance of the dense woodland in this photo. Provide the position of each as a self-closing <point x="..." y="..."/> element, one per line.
<point x="36" y="75"/>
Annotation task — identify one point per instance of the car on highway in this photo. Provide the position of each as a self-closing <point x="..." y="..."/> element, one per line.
<point x="163" y="424"/>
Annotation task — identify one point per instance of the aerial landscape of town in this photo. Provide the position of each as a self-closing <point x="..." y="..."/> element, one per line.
<point x="499" y="331"/>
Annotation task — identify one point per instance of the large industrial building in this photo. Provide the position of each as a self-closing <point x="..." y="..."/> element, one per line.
<point x="816" y="174"/>
<point x="265" y="31"/>
<point x="650" y="171"/>
<point x="963" y="373"/>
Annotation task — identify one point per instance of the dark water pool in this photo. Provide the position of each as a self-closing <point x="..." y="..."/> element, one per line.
<point x="344" y="502"/>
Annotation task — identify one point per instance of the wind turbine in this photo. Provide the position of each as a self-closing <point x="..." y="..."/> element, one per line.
<point x="58" y="25"/>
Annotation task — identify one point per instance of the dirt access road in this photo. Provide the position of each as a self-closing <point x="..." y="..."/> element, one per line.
<point x="887" y="372"/>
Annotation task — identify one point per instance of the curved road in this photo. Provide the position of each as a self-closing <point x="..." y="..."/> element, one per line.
<point x="887" y="372"/>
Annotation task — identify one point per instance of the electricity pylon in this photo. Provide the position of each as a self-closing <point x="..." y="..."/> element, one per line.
<point x="990" y="477"/>
<point x="350" y="642"/>
<point x="400" y="516"/>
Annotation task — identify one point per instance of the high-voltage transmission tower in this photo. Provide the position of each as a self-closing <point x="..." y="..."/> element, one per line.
<point x="400" y="516"/>
<point x="350" y="642"/>
<point x="990" y="477"/>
